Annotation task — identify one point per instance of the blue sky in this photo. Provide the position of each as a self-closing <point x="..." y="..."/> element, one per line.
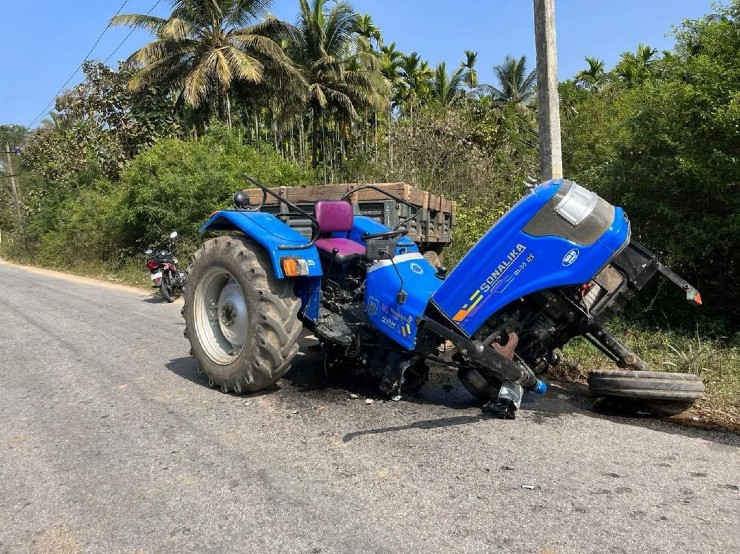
<point x="42" y="42"/>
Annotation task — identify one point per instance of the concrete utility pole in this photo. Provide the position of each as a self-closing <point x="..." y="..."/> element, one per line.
<point x="14" y="188"/>
<point x="551" y="157"/>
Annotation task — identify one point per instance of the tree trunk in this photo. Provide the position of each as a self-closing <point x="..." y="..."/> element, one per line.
<point x="314" y="138"/>
<point x="390" y="137"/>
<point x="221" y="101"/>
<point x="228" y="109"/>
<point x="377" y="150"/>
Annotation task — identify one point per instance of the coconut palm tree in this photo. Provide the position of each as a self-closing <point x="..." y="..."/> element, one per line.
<point x="516" y="86"/>
<point x="340" y="76"/>
<point x="205" y="47"/>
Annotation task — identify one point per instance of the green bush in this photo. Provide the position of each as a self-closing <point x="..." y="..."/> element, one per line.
<point x="176" y="184"/>
<point x="667" y="151"/>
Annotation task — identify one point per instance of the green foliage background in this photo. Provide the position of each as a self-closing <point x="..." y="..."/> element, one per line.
<point x="116" y="169"/>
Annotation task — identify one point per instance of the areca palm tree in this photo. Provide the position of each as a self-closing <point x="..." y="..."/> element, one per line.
<point x="369" y="31"/>
<point x="592" y="77"/>
<point x="417" y="77"/>
<point x="390" y="67"/>
<point x="471" y="75"/>
<point x="447" y="89"/>
<point x="635" y="67"/>
<point x="206" y="47"/>
<point x="339" y="76"/>
<point x="516" y="86"/>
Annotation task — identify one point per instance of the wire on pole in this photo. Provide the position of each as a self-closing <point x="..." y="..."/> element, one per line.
<point x="131" y="32"/>
<point x="61" y="89"/>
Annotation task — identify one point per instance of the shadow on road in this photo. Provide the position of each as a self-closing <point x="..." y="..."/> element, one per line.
<point x="187" y="368"/>
<point x="424" y="424"/>
<point x="310" y="379"/>
<point x="155" y="298"/>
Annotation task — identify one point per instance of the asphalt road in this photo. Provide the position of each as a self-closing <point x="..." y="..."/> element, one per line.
<point x="111" y="442"/>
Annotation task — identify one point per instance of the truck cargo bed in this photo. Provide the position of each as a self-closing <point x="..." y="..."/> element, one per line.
<point x="431" y="229"/>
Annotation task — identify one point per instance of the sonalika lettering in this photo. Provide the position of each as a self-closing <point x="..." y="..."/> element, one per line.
<point x="502" y="267"/>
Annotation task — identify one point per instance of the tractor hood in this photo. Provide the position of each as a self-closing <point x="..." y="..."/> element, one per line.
<point x="560" y="234"/>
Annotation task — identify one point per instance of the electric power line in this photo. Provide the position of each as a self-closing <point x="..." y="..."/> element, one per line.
<point x="131" y="32"/>
<point x="44" y="111"/>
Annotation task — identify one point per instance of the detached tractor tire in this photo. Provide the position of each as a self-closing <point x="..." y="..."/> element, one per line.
<point x="681" y="388"/>
<point x="241" y="321"/>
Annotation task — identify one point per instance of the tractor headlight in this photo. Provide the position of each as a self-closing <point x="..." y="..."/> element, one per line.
<point x="577" y="204"/>
<point x="294" y="267"/>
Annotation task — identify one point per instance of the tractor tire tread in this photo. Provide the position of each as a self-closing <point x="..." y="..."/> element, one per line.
<point x="277" y="327"/>
<point x="648" y="385"/>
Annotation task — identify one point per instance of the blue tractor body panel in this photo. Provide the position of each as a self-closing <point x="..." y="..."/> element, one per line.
<point x="508" y="263"/>
<point x="398" y="321"/>
<point x="271" y="233"/>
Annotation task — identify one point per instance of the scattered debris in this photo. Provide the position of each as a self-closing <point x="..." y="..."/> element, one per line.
<point x="529" y="487"/>
<point x="354" y="396"/>
<point x="294" y="412"/>
<point x="247" y="403"/>
<point x="369" y="401"/>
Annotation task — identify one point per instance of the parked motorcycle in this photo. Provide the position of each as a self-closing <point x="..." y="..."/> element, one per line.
<point x="165" y="273"/>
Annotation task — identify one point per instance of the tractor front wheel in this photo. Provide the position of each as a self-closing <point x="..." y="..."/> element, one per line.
<point x="647" y="385"/>
<point x="241" y="321"/>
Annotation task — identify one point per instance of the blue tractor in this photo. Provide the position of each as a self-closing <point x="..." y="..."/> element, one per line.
<point x="558" y="265"/>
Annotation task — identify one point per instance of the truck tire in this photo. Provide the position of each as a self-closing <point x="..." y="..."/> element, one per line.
<point x="434" y="259"/>
<point x="646" y="385"/>
<point x="241" y="321"/>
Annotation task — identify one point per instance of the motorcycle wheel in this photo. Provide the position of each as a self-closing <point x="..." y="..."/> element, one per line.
<point x="166" y="289"/>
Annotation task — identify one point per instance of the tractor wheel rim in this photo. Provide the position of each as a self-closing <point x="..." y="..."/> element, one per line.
<point x="232" y="314"/>
<point x="221" y="316"/>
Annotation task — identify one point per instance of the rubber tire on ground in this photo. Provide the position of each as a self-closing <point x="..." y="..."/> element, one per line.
<point x="477" y="385"/>
<point x="433" y="258"/>
<point x="166" y="289"/>
<point x="646" y="385"/>
<point x="273" y="326"/>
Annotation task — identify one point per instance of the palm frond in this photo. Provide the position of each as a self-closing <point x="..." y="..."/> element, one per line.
<point x="197" y="83"/>
<point x="242" y="65"/>
<point x="146" y="22"/>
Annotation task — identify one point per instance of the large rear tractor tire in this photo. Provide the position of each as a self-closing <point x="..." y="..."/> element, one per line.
<point x="647" y="385"/>
<point x="241" y="321"/>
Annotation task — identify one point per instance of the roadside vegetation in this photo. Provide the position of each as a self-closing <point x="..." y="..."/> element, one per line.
<point x="224" y="89"/>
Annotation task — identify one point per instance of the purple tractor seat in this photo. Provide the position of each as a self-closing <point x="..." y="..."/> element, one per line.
<point x="336" y="217"/>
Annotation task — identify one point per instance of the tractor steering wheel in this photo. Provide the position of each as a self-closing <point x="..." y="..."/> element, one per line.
<point x="385" y="234"/>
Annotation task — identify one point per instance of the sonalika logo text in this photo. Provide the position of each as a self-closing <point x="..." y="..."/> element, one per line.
<point x="501" y="268"/>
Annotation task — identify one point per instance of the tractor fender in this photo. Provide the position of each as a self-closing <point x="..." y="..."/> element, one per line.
<point x="277" y="238"/>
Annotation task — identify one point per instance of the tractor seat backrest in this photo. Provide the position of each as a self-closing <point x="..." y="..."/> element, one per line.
<point x="334" y="216"/>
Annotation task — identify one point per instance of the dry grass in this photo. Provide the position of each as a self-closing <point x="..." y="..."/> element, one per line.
<point x="716" y="362"/>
